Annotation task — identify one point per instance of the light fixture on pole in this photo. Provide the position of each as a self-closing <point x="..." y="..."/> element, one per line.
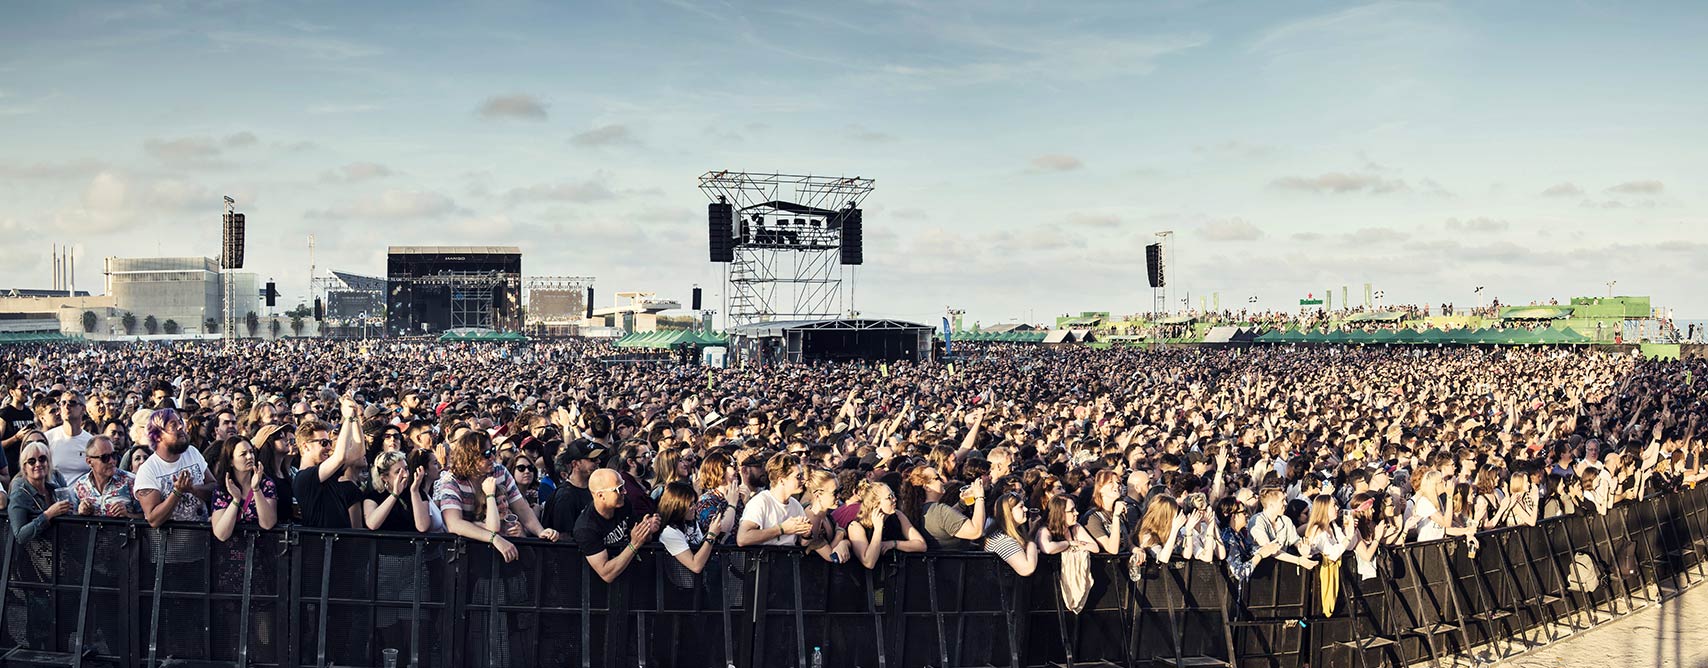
<point x="1610" y="285"/>
<point x="1479" y="292"/>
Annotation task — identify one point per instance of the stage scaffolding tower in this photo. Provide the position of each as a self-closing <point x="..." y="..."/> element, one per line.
<point x="788" y="237"/>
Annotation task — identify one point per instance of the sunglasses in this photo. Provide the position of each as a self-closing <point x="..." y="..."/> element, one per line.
<point x="529" y="469"/>
<point x="107" y="458"/>
<point x="488" y="453"/>
<point x="322" y="441"/>
<point x="35" y="460"/>
<point x="393" y="435"/>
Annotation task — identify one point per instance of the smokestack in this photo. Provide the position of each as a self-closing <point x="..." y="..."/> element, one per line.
<point x="54" y="283"/>
<point x="71" y="289"/>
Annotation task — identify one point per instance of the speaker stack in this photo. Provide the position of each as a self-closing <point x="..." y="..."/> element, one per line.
<point x="1153" y="265"/>
<point x="720" y="221"/>
<point x="853" y="237"/>
<point x="589" y="302"/>
<point x="231" y="242"/>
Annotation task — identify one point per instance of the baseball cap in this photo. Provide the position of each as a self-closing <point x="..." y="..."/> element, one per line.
<point x="584" y="449"/>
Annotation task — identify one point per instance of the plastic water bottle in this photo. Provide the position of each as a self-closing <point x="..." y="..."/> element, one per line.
<point x="817" y="658"/>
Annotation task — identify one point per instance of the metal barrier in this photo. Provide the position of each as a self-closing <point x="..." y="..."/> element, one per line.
<point x="113" y="592"/>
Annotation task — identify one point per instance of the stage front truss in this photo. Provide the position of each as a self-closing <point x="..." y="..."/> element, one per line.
<point x="787" y="247"/>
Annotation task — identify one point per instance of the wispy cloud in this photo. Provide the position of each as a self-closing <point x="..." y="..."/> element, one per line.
<point x="517" y="106"/>
<point x="299" y="46"/>
<point x="196" y="152"/>
<point x="1342" y="183"/>
<point x="1056" y="162"/>
<point x="1638" y="188"/>
<point x="393" y="205"/>
<point x="1230" y="229"/>
<point x="356" y="172"/>
<point x="605" y="135"/>
<point x="1563" y="190"/>
<point x="579" y="192"/>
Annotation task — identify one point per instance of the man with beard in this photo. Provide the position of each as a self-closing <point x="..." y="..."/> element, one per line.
<point x="174" y="483"/>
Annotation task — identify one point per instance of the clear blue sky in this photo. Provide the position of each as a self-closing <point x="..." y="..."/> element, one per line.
<point x="1023" y="153"/>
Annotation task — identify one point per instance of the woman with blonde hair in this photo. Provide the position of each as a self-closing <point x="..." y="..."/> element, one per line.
<point x="394" y="502"/>
<point x="717" y="484"/>
<point x="1158" y="530"/>
<point x="880" y="528"/>
<point x="825" y="538"/>
<point x="1326" y="539"/>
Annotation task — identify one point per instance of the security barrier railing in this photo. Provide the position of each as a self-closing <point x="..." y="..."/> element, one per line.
<point x="110" y="592"/>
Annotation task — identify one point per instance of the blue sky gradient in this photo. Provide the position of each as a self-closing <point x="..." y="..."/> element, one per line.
<point x="1024" y="153"/>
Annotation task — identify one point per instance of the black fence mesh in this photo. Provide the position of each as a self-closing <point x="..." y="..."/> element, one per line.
<point x="121" y="593"/>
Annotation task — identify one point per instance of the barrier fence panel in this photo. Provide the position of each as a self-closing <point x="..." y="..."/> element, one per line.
<point x="113" y="592"/>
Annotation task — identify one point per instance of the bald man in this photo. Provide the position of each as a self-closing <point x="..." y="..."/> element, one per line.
<point x="608" y="533"/>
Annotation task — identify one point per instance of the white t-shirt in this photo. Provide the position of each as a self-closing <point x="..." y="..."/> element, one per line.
<point x="766" y="512"/>
<point x="157" y="474"/>
<point x="675" y="542"/>
<point x="67" y="451"/>
<point x="1423" y="509"/>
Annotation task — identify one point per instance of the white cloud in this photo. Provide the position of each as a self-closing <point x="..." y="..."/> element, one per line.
<point x="516" y="106"/>
<point x="1563" y="190"/>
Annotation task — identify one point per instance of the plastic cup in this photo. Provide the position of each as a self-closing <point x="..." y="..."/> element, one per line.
<point x="389" y="657"/>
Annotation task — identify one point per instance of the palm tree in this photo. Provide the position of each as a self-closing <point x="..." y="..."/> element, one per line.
<point x="296" y="324"/>
<point x="88" y="321"/>
<point x="253" y="322"/>
<point x="211" y="326"/>
<point x="273" y="326"/>
<point x="151" y="325"/>
<point x="171" y="326"/>
<point x="129" y="322"/>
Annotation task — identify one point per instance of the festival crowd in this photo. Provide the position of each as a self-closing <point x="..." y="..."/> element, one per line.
<point x="1309" y="456"/>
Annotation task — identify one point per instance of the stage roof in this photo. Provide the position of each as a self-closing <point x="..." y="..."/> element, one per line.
<point x="360" y="282"/>
<point x="791" y="207"/>
<point x="451" y="250"/>
<point x="777" y="328"/>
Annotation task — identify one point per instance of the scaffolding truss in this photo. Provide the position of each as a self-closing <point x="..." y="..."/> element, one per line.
<point x="472" y="297"/>
<point x="553" y="298"/>
<point x="787" y="243"/>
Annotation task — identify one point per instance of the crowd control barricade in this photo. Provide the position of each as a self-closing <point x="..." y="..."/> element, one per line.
<point x="99" y="592"/>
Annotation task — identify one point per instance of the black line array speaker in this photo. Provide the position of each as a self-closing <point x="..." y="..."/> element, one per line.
<point x="271" y="292"/>
<point x="589" y="302"/>
<point x="853" y="237"/>
<point x="319" y="310"/>
<point x="231" y="242"/>
<point x="720" y="221"/>
<point x="1153" y="265"/>
<point x="696" y="298"/>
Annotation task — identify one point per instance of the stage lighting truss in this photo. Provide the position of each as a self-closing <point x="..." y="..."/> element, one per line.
<point x="787" y="242"/>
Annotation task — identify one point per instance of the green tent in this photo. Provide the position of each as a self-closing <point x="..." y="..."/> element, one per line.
<point x="1377" y="316"/>
<point x="1408" y="335"/>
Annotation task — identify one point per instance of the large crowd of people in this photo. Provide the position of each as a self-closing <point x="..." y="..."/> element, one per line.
<point x="1304" y="455"/>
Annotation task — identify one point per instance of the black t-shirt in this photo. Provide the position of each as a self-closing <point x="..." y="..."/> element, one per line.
<point x="15" y="419"/>
<point x="595" y="534"/>
<point x="12" y="421"/>
<point x="564" y="507"/>
<point x="401" y="517"/>
<point x="325" y="505"/>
